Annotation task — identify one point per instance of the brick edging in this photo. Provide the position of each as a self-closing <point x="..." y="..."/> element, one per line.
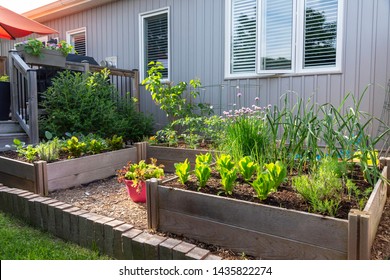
<point x="112" y="237"/>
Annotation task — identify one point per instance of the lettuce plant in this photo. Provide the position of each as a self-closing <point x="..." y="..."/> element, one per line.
<point x="263" y="185"/>
<point x="247" y="167"/>
<point x="277" y="171"/>
<point x="228" y="177"/>
<point x="182" y="169"/>
<point x="224" y="161"/>
<point x="203" y="158"/>
<point x="269" y="180"/>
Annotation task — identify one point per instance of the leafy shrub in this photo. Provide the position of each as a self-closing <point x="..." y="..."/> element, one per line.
<point x="85" y="103"/>
<point x="174" y="100"/>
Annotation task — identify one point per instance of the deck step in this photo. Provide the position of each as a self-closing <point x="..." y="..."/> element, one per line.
<point x="10" y="127"/>
<point x="8" y="138"/>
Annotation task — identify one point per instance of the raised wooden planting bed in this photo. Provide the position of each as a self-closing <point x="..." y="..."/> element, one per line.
<point x="169" y="156"/>
<point x="42" y="177"/>
<point x="265" y="231"/>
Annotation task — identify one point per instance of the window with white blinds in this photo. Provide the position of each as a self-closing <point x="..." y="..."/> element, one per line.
<point x="320" y="33"/>
<point x="243" y="47"/>
<point x="276" y="34"/>
<point x="283" y="36"/>
<point x="155" y="41"/>
<point x="78" y="39"/>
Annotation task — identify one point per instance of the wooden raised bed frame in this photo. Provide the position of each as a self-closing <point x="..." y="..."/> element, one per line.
<point x="260" y="230"/>
<point x="41" y="177"/>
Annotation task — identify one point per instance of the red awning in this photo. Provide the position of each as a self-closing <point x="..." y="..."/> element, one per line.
<point x="13" y="25"/>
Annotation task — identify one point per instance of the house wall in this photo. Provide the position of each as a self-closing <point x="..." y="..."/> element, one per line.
<point x="197" y="50"/>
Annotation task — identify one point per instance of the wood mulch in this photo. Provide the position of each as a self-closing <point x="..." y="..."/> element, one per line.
<point x="108" y="197"/>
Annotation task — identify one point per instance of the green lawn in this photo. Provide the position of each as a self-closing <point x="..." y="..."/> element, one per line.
<point x="18" y="241"/>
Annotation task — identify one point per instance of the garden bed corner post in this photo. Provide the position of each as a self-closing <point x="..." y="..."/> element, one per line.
<point x="141" y="150"/>
<point x="152" y="203"/>
<point x="41" y="182"/>
<point x="358" y="235"/>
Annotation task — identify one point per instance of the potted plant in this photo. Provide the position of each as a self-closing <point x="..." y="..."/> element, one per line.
<point x="5" y="98"/>
<point x="36" y="52"/>
<point x="135" y="175"/>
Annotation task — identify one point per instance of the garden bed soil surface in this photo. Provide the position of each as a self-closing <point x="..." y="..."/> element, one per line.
<point x="108" y="197"/>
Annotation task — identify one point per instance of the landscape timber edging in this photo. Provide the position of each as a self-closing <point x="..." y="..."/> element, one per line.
<point x="109" y="234"/>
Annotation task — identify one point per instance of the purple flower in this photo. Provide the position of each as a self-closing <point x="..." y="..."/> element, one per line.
<point x="257" y="98"/>
<point x="239" y="94"/>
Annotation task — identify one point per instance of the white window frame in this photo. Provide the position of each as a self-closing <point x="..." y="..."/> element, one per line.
<point x="260" y="22"/>
<point x="297" y="44"/>
<point x="143" y="16"/>
<point x="300" y="41"/>
<point x="70" y="33"/>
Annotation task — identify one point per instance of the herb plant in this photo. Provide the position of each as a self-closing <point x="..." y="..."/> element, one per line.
<point x="322" y="189"/>
<point x="49" y="151"/>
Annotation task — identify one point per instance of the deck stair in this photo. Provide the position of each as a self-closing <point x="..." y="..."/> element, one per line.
<point x="9" y="130"/>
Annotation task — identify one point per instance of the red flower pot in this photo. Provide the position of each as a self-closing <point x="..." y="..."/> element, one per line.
<point x="136" y="194"/>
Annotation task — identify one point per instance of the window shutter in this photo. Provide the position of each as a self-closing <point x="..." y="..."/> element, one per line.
<point x="276" y="34"/>
<point x="79" y="43"/>
<point x="243" y="41"/>
<point x="320" y="33"/>
<point x="156" y="45"/>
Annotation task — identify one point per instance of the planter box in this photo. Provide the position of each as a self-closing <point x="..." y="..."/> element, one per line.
<point x="265" y="231"/>
<point x="42" y="177"/>
<point x="169" y="156"/>
<point x="47" y="58"/>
